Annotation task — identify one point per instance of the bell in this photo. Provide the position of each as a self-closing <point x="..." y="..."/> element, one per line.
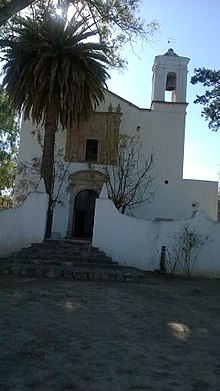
<point x="171" y="82"/>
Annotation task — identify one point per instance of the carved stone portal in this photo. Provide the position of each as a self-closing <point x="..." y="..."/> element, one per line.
<point x="103" y="127"/>
<point x="78" y="182"/>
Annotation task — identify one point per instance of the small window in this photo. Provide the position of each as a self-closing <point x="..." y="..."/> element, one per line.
<point x="91" y="150"/>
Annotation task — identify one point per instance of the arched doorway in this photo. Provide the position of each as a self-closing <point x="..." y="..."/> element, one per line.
<point x="84" y="209"/>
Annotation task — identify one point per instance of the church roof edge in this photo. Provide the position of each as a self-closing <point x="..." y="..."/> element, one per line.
<point x="126" y="101"/>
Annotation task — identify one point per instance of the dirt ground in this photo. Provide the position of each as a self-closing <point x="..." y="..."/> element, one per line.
<point x="58" y="335"/>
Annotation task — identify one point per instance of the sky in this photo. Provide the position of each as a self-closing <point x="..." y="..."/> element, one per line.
<point x="194" y="29"/>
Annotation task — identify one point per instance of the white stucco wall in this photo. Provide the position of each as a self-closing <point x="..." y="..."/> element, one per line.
<point x="29" y="146"/>
<point x="127" y="240"/>
<point x="138" y="243"/>
<point x="176" y="200"/>
<point x="162" y="131"/>
<point x="25" y="224"/>
<point x="134" y="242"/>
<point x="208" y="262"/>
<point x="164" y="64"/>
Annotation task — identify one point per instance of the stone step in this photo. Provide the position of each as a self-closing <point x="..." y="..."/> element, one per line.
<point x="78" y="242"/>
<point x="62" y="244"/>
<point x="59" y="260"/>
<point x="80" y="257"/>
<point x="67" y="251"/>
<point x="60" y="255"/>
<point x="59" y="248"/>
<point x="122" y="274"/>
<point x="43" y="262"/>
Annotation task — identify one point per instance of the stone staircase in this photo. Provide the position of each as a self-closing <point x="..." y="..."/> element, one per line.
<point x="67" y="259"/>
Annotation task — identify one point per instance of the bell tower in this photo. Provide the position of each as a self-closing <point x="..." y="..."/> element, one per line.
<point x="169" y="74"/>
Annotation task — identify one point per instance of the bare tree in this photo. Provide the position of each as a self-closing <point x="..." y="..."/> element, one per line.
<point x="129" y="176"/>
<point x="183" y="250"/>
<point x="29" y="176"/>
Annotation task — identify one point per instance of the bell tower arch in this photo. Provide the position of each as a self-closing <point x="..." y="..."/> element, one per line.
<point x="169" y="74"/>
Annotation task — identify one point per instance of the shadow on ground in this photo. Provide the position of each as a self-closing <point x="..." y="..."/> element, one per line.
<point x="58" y="335"/>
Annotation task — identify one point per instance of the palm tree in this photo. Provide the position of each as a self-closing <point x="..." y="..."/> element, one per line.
<point x="54" y="75"/>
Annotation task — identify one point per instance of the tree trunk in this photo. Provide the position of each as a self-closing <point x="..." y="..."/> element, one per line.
<point x="47" y="165"/>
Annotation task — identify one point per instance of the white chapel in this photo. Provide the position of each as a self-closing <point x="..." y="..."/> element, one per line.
<point x="161" y="129"/>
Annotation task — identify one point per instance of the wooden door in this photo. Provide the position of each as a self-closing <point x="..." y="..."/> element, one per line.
<point x="84" y="209"/>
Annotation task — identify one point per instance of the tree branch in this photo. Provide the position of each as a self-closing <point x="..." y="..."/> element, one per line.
<point x="6" y="42"/>
<point x="10" y="9"/>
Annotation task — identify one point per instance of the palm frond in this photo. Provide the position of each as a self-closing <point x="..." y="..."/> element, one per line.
<point x="49" y="58"/>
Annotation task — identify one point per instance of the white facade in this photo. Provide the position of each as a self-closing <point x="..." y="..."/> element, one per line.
<point x="161" y="129"/>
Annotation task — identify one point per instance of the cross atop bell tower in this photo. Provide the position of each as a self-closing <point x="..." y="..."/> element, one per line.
<point x="169" y="74"/>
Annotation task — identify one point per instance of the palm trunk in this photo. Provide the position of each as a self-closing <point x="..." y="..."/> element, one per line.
<point x="47" y="165"/>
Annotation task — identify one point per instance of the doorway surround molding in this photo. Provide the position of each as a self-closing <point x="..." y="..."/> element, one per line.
<point x="79" y="181"/>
